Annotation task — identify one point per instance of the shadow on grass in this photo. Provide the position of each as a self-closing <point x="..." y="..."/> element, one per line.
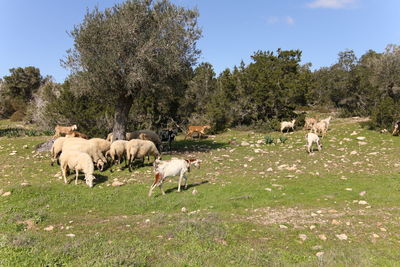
<point x="195" y="145"/>
<point x="188" y="187"/>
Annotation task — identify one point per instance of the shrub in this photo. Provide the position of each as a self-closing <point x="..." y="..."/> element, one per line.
<point x="269" y="140"/>
<point x="384" y="114"/>
<point x="18" y="115"/>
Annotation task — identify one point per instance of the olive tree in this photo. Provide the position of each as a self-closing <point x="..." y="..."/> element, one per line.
<point x="130" y="49"/>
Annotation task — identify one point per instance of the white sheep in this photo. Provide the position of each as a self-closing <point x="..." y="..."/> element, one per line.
<point x="173" y="167"/>
<point x="56" y="148"/>
<point x="117" y="149"/>
<point x="78" y="161"/>
<point x="311" y="139"/>
<point x="102" y="144"/>
<point x="86" y="147"/>
<point x="137" y="148"/>
<point x="287" y="125"/>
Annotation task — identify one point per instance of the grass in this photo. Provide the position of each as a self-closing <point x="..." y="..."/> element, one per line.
<point x="253" y="206"/>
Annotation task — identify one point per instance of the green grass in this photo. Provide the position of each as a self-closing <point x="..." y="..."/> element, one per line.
<point x="252" y="203"/>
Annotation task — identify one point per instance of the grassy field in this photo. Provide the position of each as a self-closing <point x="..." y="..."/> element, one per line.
<point x="254" y="204"/>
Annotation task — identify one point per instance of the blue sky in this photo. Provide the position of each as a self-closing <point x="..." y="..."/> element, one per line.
<point x="34" y="33"/>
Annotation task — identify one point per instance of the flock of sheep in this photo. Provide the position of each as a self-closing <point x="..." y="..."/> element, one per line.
<point x="76" y="152"/>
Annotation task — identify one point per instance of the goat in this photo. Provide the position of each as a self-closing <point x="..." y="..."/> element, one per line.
<point x="311" y="139"/>
<point x="63" y="130"/>
<point x="197" y="129"/>
<point x="309" y="123"/>
<point x="287" y="125"/>
<point x="168" y="136"/>
<point x="173" y="167"/>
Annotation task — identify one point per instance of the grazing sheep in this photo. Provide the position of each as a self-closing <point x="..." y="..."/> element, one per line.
<point x="63" y="130"/>
<point x="76" y="134"/>
<point x="56" y="148"/>
<point x="102" y="144"/>
<point x="78" y="161"/>
<point x="137" y="148"/>
<point x="88" y="147"/>
<point x="197" y="129"/>
<point x="309" y="123"/>
<point x="311" y="139"/>
<point x="117" y="149"/>
<point x="287" y="125"/>
<point x="173" y="167"/>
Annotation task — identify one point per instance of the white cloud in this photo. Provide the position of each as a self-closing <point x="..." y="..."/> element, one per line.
<point x="334" y="4"/>
<point x="289" y="20"/>
<point x="274" y="20"/>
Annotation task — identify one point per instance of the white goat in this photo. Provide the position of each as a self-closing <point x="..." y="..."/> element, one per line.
<point x="311" y="139"/>
<point x="173" y="167"/>
<point x="287" y="125"/>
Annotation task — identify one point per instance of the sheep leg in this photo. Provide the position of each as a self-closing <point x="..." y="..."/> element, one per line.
<point x="64" y="174"/>
<point x="76" y="178"/>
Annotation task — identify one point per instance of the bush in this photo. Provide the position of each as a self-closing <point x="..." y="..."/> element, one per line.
<point x="18" y="115"/>
<point x="384" y="114"/>
<point x="269" y="140"/>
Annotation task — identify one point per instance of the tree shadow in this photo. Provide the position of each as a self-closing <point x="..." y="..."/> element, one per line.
<point x="188" y="187"/>
<point x="190" y="145"/>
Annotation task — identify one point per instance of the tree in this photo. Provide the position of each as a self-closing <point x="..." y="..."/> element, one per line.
<point x="127" y="49"/>
<point x="17" y="90"/>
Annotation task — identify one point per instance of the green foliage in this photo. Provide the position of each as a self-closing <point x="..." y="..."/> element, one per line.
<point x="384" y="114"/>
<point x="269" y="140"/>
<point x="17" y="132"/>
<point x="283" y="139"/>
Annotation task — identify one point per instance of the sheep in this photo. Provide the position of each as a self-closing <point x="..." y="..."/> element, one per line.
<point x="311" y="139"/>
<point x="141" y="134"/>
<point x="173" y="167"/>
<point x="309" y="123"/>
<point x="76" y="134"/>
<point x="117" y="149"/>
<point x="63" y="130"/>
<point x="197" y="129"/>
<point x="56" y="148"/>
<point x="287" y="125"/>
<point x="78" y="161"/>
<point x="137" y="148"/>
<point x="102" y="144"/>
<point x="86" y="146"/>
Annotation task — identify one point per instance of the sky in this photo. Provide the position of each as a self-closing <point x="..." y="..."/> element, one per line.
<point x="35" y="33"/>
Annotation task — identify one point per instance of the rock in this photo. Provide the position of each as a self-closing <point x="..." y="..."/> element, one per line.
<point x="361" y="138"/>
<point x="268" y="189"/>
<point x="6" y="194"/>
<point x="317" y="247"/>
<point x="322" y="237"/>
<point x="269" y="170"/>
<point x="70" y="235"/>
<point x="342" y="237"/>
<point x="319" y="254"/>
<point x="194" y="192"/>
<point x="363" y="202"/>
<point x="49" y="228"/>
<point x="383" y="229"/>
<point x="335" y="222"/>
<point x="362" y="193"/>
<point x="353" y="152"/>
<point x="117" y="183"/>
<point x="245" y="143"/>
<point x="312" y="227"/>
<point x="375" y="235"/>
<point x="184" y="210"/>
<point x="303" y="237"/>
<point x="361" y="143"/>
<point x="25" y="184"/>
<point x="354" y="133"/>
<point x="349" y="189"/>
<point x="283" y="226"/>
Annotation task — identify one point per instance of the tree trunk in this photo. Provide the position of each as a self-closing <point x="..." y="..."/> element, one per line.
<point x="121" y="117"/>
